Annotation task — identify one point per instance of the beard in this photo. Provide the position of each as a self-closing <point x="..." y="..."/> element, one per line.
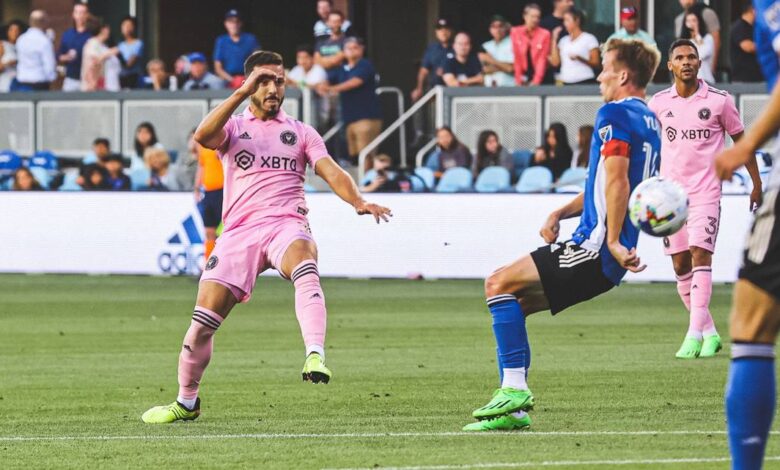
<point x="272" y="111"/>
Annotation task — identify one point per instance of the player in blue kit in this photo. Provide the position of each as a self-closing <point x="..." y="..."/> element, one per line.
<point x="755" y="313"/>
<point x="624" y="151"/>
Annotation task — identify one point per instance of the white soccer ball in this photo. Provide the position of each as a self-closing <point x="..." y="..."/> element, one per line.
<point x="658" y="207"/>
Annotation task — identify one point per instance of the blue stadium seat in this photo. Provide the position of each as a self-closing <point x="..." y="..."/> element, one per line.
<point x="69" y="182"/>
<point x="536" y="179"/>
<point x="493" y="179"/>
<point x="139" y="178"/>
<point x="572" y="180"/>
<point x="522" y="159"/>
<point x="9" y="162"/>
<point x="41" y="175"/>
<point x="432" y="161"/>
<point x="425" y="181"/>
<point x="455" y="180"/>
<point x="44" y="159"/>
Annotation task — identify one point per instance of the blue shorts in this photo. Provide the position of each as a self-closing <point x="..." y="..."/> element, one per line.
<point x="211" y="208"/>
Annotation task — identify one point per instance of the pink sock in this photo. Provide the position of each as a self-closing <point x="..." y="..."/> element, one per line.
<point x="310" y="306"/>
<point x="196" y="351"/>
<point x="701" y="291"/>
<point x="684" y="289"/>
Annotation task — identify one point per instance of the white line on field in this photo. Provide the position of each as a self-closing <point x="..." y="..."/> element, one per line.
<point x="558" y="463"/>
<point x="159" y="437"/>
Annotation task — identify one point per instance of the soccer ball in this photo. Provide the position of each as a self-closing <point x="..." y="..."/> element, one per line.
<point x="658" y="207"/>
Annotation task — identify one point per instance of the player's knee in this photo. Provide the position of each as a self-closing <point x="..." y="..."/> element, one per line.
<point x="701" y="257"/>
<point x="682" y="266"/>
<point x="495" y="284"/>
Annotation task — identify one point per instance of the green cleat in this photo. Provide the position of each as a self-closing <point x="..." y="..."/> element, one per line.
<point x="170" y="413"/>
<point x="506" y="400"/>
<point x="314" y="370"/>
<point x="710" y="346"/>
<point x="501" y="423"/>
<point x="690" y="349"/>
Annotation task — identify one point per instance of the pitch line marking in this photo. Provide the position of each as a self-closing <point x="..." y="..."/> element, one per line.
<point x="527" y="434"/>
<point x="559" y="463"/>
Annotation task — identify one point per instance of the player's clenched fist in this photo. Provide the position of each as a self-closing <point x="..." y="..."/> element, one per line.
<point x="550" y="229"/>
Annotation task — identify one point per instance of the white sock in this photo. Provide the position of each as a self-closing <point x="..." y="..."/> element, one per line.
<point x="697" y="335"/>
<point x="315" y="348"/>
<point x="188" y="403"/>
<point x="710" y="331"/>
<point x="514" y="378"/>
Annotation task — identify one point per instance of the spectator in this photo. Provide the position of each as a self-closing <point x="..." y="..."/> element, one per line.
<point x="452" y="153"/>
<point x="498" y="60"/>
<point x="554" y="22"/>
<point x="436" y="54"/>
<point x="385" y="180"/>
<point x="710" y="19"/>
<point x="13" y="30"/>
<point x="629" y="22"/>
<point x="25" y="181"/>
<point x="321" y="29"/>
<point x="35" y="67"/>
<point x="307" y="74"/>
<point x="232" y="49"/>
<point x="744" y="64"/>
<point x="329" y="52"/>
<point x="490" y="152"/>
<point x="94" y="178"/>
<point x="145" y="137"/>
<point x="200" y="77"/>
<point x="131" y="53"/>
<point x="696" y="31"/>
<point x="185" y="167"/>
<point x="101" y="149"/>
<point x="531" y="46"/>
<point x="157" y="77"/>
<point x="95" y="59"/>
<point x="72" y="45"/>
<point x="181" y="70"/>
<point x="116" y="179"/>
<point x="463" y="68"/>
<point x="355" y="83"/>
<point x="584" y="138"/>
<point x="556" y="152"/>
<point x="159" y="162"/>
<point x="577" y="53"/>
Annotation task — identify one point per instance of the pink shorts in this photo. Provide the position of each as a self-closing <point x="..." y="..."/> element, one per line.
<point x="241" y="254"/>
<point x="701" y="230"/>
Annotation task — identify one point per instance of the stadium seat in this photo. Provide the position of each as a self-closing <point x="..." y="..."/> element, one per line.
<point x="432" y="161"/>
<point x="493" y="179"/>
<point x="522" y="159"/>
<point x="41" y="175"/>
<point x="537" y="179"/>
<point x="425" y="181"/>
<point x="455" y="180"/>
<point x="139" y="178"/>
<point x="44" y="159"/>
<point x="9" y="162"/>
<point x="572" y="180"/>
<point x="69" y="182"/>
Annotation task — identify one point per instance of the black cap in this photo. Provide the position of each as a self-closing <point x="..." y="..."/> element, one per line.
<point x="498" y="18"/>
<point x="232" y="13"/>
<point x="443" y="23"/>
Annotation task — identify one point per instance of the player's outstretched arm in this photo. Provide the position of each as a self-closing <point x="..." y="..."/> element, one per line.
<point x="764" y="127"/>
<point x="552" y="225"/>
<point x="344" y="186"/>
<point x="618" y="189"/>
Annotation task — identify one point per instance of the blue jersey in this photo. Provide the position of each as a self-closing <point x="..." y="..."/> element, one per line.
<point x="630" y="121"/>
<point x="767" y="36"/>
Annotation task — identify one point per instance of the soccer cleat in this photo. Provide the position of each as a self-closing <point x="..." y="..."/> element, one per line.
<point x="506" y="400"/>
<point x="314" y="370"/>
<point x="690" y="349"/>
<point x="500" y="423"/>
<point x="170" y="413"/>
<point x="710" y="346"/>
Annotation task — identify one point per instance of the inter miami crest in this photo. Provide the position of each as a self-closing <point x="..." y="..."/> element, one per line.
<point x="244" y="159"/>
<point x="671" y="133"/>
<point x="704" y="114"/>
<point x="288" y="138"/>
<point x="213" y="260"/>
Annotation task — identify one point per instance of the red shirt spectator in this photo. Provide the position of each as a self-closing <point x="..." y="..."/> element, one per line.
<point x="531" y="45"/>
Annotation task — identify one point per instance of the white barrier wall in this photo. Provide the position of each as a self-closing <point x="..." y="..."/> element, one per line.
<point x="436" y="235"/>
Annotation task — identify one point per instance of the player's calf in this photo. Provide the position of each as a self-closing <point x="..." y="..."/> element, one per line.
<point x="312" y="318"/>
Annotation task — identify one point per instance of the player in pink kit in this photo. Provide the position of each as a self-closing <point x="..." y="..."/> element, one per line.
<point x="695" y="117"/>
<point x="264" y="155"/>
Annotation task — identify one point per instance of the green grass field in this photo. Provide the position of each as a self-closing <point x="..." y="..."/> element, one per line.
<point x="82" y="357"/>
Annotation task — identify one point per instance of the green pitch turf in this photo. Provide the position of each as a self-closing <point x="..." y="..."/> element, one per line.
<point x="82" y="357"/>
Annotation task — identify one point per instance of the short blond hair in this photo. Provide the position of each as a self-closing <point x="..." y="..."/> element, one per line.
<point x="155" y="157"/>
<point x="640" y="58"/>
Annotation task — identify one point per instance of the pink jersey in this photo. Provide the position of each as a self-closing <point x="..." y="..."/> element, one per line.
<point x="693" y="135"/>
<point x="265" y="165"/>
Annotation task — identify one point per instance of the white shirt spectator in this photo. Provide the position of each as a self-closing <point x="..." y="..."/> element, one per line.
<point x="502" y="52"/>
<point x="706" y="53"/>
<point x="9" y="71"/>
<point x="315" y="75"/>
<point x="35" y="53"/>
<point x="574" y="71"/>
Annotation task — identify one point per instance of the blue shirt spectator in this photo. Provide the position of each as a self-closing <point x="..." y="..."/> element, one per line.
<point x="71" y="46"/>
<point x="432" y="65"/>
<point x="232" y="48"/>
<point x="360" y="102"/>
<point x="200" y="78"/>
<point x="464" y="68"/>
<point x="131" y="52"/>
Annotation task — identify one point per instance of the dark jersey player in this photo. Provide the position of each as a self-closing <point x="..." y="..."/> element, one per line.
<point x="624" y="151"/>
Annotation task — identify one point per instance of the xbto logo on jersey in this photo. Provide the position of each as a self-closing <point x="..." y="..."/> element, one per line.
<point x="244" y="159"/>
<point x="671" y="133"/>
<point x="688" y="134"/>
<point x="278" y="163"/>
<point x="288" y="138"/>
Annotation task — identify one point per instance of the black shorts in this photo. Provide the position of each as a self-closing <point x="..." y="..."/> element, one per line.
<point x="211" y="208"/>
<point x="570" y="274"/>
<point x="761" y="264"/>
